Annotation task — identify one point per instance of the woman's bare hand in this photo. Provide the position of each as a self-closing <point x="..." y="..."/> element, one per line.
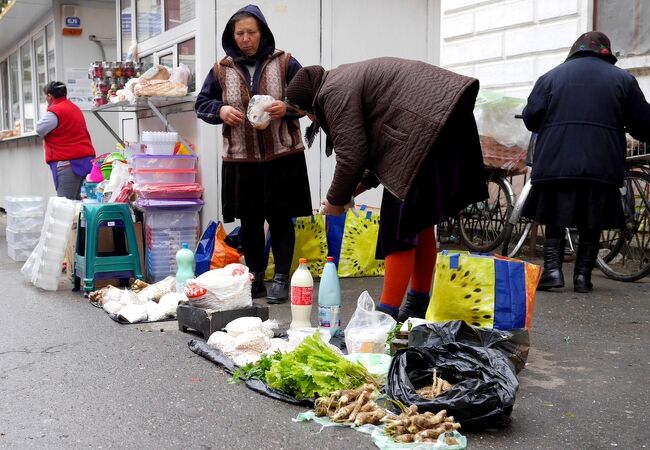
<point x="277" y="110"/>
<point x="231" y="116"/>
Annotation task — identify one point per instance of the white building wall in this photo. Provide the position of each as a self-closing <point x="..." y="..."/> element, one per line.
<point x="508" y="44"/>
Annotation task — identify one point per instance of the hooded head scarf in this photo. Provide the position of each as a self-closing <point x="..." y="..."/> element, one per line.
<point x="593" y="43"/>
<point x="301" y="93"/>
<point x="267" y="41"/>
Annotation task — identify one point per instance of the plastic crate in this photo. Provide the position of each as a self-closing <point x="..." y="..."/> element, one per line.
<point x="24" y="206"/>
<point x="163" y="161"/>
<point x="171" y="220"/>
<point x="144" y="176"/>
<point x="26" y="223"/>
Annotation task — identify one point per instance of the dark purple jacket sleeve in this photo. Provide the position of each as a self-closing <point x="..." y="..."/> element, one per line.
<point x="293" y="67"/>
<point x="209" y="101"/>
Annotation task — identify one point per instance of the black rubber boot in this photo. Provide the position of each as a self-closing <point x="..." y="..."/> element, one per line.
<point x="279" y="291"/>
<point x="585" y="260"/>
<point x="552" y="276"/>
<point x="413" y="307"/>
<point x="390" y="311"/>
<point x="258" y="288"/>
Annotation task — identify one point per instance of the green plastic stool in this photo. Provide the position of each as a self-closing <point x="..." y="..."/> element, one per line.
<point x="122" y="263"/>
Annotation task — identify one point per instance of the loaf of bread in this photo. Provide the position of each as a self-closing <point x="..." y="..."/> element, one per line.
<point x="159" y="88"/>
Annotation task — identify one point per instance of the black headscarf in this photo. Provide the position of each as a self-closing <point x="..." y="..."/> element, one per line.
<point x="593" y="43"/>
<point x="301" y="93"/>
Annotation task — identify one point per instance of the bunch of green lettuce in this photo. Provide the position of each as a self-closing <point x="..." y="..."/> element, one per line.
<point x="313" y="370"/>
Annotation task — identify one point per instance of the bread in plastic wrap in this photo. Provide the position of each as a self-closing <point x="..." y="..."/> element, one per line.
<point x="159" y="88"/>
<point x="255" y="113"/>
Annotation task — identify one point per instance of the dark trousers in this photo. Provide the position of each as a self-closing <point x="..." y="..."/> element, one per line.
<point x="583" y="235"/>
<point x="253" y="241"/>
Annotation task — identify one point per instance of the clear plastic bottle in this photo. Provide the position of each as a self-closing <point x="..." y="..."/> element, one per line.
<point x="329" y="298"/>
<point x="302" y="296"/>
<point x="185" y="266"/>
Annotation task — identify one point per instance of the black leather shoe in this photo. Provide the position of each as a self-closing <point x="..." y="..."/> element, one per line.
<point x="258" y="288"/>
<point x="390" y="311"/>
<point x="585" y="261"/>
<point x="279" y="291"/>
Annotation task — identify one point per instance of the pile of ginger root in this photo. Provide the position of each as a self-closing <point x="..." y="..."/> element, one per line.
<point x="354" y="406"/>
<point x="410" y="426"/>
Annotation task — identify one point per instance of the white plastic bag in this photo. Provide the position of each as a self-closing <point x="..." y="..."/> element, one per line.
<point x="255" y="113"/>
<point x="180" y="74"/>
<point x="133" y="313"/>
<point x="221" y="289"/>
<point x="155" y="291"/>
<point x="368" y="329"/>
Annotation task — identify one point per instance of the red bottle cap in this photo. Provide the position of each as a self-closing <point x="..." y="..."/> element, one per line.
<point x="330" y="259"/>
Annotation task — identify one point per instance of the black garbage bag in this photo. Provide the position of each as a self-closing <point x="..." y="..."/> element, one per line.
<point x="484" y="382"/>
<point x="202" y="348"/>
<point x="514" y="344"/>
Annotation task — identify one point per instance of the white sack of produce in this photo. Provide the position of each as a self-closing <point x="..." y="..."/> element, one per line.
<point x="222" y="342"/>
<point x="255" y="113"/>
<point x="129" y="297"/>
<point x="245" y="324"/>
<point x="254" y="341"/>
<point x="112" y="307"/>
<point x="154" y="292"/>
<point x="133" y="313"/>
<point x="221" y="289"/>
<point x="154" y="312"/>
<point x="169" y="302"/>
<point x="241" y="359"/>
<point x="112" y="294"/>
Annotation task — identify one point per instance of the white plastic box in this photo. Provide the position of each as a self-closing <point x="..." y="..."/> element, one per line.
<point x="163" y="161"/>
<point x="159" y="142"/>
<point x="145" y="176"/>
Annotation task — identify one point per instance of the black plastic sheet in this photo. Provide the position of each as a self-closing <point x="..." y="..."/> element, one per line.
<point x="484" y="382"/>
<point x="201" y="348"/>
<point x="514" y="344"/>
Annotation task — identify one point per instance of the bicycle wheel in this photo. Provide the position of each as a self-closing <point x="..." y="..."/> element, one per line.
<point x="624" y="254"/>
<point x="447" y="232"/>
<point x="514" y="237"/>
<point x="482" y="224"/>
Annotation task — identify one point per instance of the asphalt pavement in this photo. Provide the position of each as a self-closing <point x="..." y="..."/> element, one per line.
<point x="72" y="378"/>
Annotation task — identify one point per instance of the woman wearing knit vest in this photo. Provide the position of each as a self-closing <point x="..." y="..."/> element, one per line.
<point x="264" y="174"/>
<point x="409" y="126"/>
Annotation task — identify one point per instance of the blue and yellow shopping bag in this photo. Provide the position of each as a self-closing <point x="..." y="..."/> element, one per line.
<point x="485" y="291"/>
<point x="311" y="243"/>
<point x="359" y="244"/>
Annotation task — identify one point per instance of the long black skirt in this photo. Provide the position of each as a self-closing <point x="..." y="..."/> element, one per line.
<point x="279" y="186"/>
<point x="576" y="204"/>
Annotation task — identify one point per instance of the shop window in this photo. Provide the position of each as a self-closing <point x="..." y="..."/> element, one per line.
<point x="41" y="73"/>
<point x="14" y="89"/>
<point x="5" y="118"/>
<point x="148" y="19"/>
<point x="187" y="56"/>
<point x="147" y="62"/>
<point x="51" y="62"/>
<point x="166" y="60"/>
<point x="126" y="26"/>
<point x="178" y="12"/>
<point x="28" y="91"/>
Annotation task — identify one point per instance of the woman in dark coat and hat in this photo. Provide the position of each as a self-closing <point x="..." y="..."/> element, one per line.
<point x="409" y="126"/>
<point x="264" y="174"/>
<point x="581" y="110"/>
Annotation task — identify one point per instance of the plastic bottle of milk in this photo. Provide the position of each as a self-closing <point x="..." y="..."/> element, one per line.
<point x="329" y="298"/>
<point x="302" y="296"/>
<point x="185" y="266"/>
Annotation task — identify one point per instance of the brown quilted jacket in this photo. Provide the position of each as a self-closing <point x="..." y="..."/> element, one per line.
<point x="384" y="115"/>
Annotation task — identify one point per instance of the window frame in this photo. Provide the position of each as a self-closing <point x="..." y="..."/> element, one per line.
<point x="38" y="32"/>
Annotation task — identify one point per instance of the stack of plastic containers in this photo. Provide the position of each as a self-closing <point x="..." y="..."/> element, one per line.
<point x="43" y="267"/>
<point x="24" y="222"/>
<point x="170" y="198"/>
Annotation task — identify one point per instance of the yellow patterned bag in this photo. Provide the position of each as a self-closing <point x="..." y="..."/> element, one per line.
<point x="359" y="244"/>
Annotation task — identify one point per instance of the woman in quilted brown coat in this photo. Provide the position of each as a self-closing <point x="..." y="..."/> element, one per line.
<point x="409" y="126"/>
